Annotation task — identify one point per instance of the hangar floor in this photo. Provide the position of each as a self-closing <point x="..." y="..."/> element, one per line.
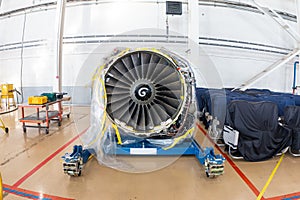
<point x="31" y="168"/>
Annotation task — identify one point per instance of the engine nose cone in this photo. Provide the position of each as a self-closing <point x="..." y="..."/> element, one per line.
<point x="143" y="92"/>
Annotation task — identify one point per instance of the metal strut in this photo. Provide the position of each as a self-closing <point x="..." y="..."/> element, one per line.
<point x="294" y="34"/>
<point x="272" y="14"/>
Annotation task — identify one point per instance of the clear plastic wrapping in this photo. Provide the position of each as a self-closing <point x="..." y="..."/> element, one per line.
<point x="176" y="101"/>
<point x="111" y="128"/>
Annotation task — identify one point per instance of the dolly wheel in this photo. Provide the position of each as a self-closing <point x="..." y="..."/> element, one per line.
<point x="207" y="174"/>
<point x="24" y="130"/>
<point x="59" y="123"/>
<point x="79" y="170"/>
<point x="6" y="130"/>
<point x="47" y="130"/>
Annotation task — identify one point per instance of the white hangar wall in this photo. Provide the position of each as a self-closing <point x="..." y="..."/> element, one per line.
<point x="238" y="39"/>
<point x="242" y="42"/>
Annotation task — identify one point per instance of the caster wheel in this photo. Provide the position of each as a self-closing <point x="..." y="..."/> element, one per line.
<point x="68" y="115"/>
<point x="47" y="130"/>
<point x="59" y="123"/>
<point x="24" y="130"/>
<point x="207" y="175"/>
<point x="6" y="130"/>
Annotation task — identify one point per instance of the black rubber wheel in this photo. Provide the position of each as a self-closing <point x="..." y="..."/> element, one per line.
<point x="59" y="123"/>
<point x="24" y="129"/>
<point x="207" y="175"/>
<point x="47" y="130"/>
<point x="6" y="130"/>
<point x="68" y="115"/>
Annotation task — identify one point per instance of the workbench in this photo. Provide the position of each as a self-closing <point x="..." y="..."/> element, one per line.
<point x="43" y="115"/>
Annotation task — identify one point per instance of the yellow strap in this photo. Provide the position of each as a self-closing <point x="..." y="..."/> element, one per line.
<point x="90" y="157"/>
<point x="123" y="52"/>
<point x="117" y="133"/>
<point x="176" y="140"/>
<point x="104" y="89"/>
<point x="2" y="125"/>
<point x="270" y="178"/>
<point x="97" y="76"/>
<point x="97" y="72"/>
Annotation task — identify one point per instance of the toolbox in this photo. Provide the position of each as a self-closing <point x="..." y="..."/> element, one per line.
<point x="37" y="100"/>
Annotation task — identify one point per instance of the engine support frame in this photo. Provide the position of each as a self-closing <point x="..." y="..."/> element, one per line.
<point x="213" y="163"/>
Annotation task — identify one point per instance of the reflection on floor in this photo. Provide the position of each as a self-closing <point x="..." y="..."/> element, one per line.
<point x="30" y="165"/>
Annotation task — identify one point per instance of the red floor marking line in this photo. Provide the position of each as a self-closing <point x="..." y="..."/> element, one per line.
<point x="233" y="165"/>
<point x="296" y="194"/>
<point x="30" y="194"/>
<point x="26" y="176"/>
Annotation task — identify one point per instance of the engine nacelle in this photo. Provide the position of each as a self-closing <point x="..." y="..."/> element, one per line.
<point x="150" y="93"/>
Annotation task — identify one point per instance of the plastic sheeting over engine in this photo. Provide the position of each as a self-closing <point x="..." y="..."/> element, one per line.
<point x="140" y="95"/>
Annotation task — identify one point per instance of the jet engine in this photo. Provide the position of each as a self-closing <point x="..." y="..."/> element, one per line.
<point x="150" y="93"/>
<point x="148" y="96"/>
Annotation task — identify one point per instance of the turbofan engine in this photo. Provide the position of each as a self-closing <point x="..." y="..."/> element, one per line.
<point x="143" y="103"/>
<point x="150" y="93"/>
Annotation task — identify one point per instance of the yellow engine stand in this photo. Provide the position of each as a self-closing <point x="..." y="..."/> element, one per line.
<point x="7" y="93"/>
<point x="3" y="127"/>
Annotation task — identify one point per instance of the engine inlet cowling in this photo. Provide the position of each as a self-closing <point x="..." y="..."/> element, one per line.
<point x="147" y="92"/>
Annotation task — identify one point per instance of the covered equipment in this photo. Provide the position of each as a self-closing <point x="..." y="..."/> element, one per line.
<point x="261" y="136"/>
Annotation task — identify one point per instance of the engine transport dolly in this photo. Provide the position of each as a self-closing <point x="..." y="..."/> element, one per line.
<point x="41" y="116"/>
<point x="213" y="163"/>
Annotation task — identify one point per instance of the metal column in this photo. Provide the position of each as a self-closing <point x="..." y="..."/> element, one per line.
<point x="298" y="29"/>
<point x="193" y="28"/>
<point x="58" y="44"/>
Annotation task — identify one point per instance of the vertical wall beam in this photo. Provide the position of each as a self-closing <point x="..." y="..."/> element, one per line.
<point x="193" y="27"/>
<point x="58" y="44"/>
<point x="298" y="18"/>
<point x="298" y="29"/>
